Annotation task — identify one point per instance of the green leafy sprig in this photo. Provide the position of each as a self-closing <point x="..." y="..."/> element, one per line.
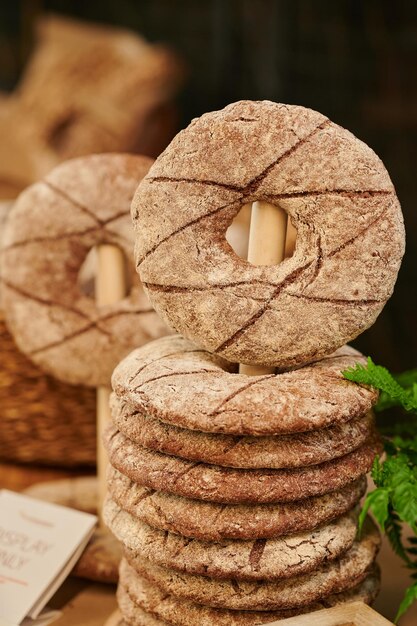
<point x="394" y="501"/>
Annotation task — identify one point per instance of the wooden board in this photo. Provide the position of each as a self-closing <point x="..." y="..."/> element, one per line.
<point x="352" y="614"/>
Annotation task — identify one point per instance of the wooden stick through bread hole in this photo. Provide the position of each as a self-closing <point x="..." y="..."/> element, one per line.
<point x="267" y="237"/>
<point x="110" y="287"/>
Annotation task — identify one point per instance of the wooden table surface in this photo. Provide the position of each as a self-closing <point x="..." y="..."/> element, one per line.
<point x="84" y="604"/>
<point x="96" y="602"/>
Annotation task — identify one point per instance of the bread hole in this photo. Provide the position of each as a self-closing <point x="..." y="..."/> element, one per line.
<point x="237" y="235"/>
<point x="86" y="276"/>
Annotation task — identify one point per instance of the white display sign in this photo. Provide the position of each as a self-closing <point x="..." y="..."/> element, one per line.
<point x="40" y="543"/>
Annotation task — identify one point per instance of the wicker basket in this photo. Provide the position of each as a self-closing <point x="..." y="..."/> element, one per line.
<point x="42" y="420"/>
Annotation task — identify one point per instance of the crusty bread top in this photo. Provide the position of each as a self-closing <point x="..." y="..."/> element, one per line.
<point x="215" y="483"/>
<point x="257" y="559"/>
<point x="210" y="521"/>
<point x="51" y="228"/>
<point x="143" y="604"/>
<point x="176" y="382"/>
<point x="338" y="194"/>
<point x="334" y="577"/>
<point x="269" y="451"/>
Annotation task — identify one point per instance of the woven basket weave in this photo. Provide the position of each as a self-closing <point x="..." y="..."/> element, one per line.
<point x="42" y="420"/>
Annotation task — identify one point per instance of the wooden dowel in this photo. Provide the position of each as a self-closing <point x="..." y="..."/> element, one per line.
<point x="110" y="287"/>
<point x="268" y="229"/>
<point x="290" y="241"/>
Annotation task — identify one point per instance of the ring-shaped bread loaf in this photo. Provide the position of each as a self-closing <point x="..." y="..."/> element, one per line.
<point x="210" y="521"/>
<point x="52" y="227"/>
<point x="294" y="450"/>
<point x="334" y="577"/>
<point x="176" y="382"/>
<point x="144" y="604"/>
<point x="228" y="485"/>
<point x="340" y="199"/>
<point x="277" y="558"/>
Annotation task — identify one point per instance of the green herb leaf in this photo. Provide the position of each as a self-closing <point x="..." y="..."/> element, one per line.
<point x="394" y="531"/>
<point x="404" y="500"/>
<point x="407" y="378"/>
<point x="379" y="377"/>
<point x="409" y="597"/>
<point x="377" y="501"/>
<point x="394" y="500"/>
<point x="376" y="471"/>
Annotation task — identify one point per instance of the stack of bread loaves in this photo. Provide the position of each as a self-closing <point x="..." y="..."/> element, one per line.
<point x="236" y="497"/>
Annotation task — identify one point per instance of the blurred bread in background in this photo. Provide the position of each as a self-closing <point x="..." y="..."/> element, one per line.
<point x="86" y="88"/>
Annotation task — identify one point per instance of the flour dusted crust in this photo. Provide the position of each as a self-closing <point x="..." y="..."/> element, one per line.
<point x="257" y="559"/>
<point x="177" y="382"/>
<point x="340" y="199"/>
<point x="141" y="601"/>
<point x="210" y="521"/>
<point x="334" y="577"/>
<point x="229" y="485"/>
<point x="51" y="228"/>
<point x="297" y="450"/>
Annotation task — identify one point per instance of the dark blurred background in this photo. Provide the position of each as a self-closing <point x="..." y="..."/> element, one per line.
<point x="354" y="60"/>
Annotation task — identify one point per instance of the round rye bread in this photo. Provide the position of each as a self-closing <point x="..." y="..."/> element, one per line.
<point x="176" y="382"/>
<point x="228" y="485"/>
<point x="258" y="559"/>
<point x="51" y="228"/>
<point x="141" y="602"/>
<point x="334" y="577"/>
<point x="209" y="521"/>
<point x="295" y="450"/>
<point x="339" y="198"/>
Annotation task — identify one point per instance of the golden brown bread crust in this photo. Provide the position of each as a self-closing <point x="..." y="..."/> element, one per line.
<point x="296" y="450"/>
<point x="334" y="577"/>
<point x="257" y="559"/>
<point x="210" y="521"/>
<point x="51" y="228"/>
<point x="176" y="382"/>
<point x="340" y="199"/>
<point x="229" y="485"/>
<point x="143" y="604"/>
